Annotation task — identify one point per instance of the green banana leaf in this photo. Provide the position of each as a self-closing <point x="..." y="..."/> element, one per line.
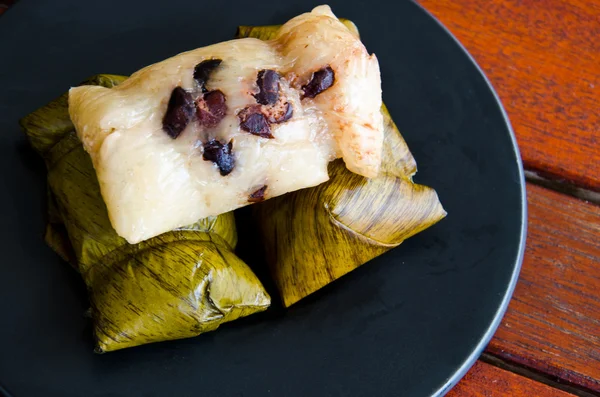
<point x="176" y="285"/>
<point x="314" y="236"/>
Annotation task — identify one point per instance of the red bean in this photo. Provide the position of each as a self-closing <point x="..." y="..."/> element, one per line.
<point x="320" y="81"/>
<point x="203" y="70"/>
<point x="279" y="113"/>
<point x="258" y="195"/>
<point x="220" y="154"/>
<point x="211" y="108"/>
<point x="268" y="84"/>
<point x="254" y="122"/>
<point x="180" y="112"/>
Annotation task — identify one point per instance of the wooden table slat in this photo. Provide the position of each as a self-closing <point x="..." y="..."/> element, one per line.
<point x="484" y="380"/>
<point x="553" y="321"/>
<point x="543" y="58"/>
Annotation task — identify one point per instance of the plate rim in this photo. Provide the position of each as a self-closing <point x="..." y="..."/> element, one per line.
<point x="501" y="311"/>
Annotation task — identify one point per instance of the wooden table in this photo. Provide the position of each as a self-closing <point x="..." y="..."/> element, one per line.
<point x="543" y="58"/>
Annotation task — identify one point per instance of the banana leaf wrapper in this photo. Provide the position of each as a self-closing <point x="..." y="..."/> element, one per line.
<point x="176" y="285"/>
<point x="315" y="236"/>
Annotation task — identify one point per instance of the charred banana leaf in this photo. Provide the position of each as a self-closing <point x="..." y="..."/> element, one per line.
<point x="314" y="236"/>
<point x="176" y="285"/>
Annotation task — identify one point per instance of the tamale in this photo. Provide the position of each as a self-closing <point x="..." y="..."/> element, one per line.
<point x="314" y="236"/>
<point x="175" y="285"/>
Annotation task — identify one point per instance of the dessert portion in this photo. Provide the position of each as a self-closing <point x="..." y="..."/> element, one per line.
<point x="176" y="285"/>
<point x="316" y="235"/>
<point x="224" y="126"/>
<point x="143" y="173"/>
<point x="345" y="84"/>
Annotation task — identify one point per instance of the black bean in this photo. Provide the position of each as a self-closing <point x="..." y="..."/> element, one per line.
<point x="180" y="111"/>
<point x="268" y="84"/>
<point x="211" y="108"/>
<point x="320" y="81"/>
<point x="254" y="122"/>
<point x="258" y="195"/>
<point x="203" y="70"/>
<point x="220" y="154"/>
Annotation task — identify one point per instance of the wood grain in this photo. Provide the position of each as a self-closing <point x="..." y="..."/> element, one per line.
<point x="484" y="380"/>
<point x="553" y="321"/>
<point x="543" y="58"/>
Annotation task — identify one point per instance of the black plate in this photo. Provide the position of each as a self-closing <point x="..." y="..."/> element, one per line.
<point x="407" y="324"/>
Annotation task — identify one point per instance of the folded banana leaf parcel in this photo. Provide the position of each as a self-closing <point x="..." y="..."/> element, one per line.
<point x="123" y="177"/>
<point x="315" y="236"/>
<point x="176" y="285"/>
